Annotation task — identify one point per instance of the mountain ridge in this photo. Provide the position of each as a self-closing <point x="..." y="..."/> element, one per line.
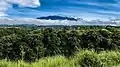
<point x="55" y="17"/>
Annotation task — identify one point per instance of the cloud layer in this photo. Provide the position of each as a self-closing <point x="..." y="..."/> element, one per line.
<point x="12" y="21"/>
<point x="5" y="4"/>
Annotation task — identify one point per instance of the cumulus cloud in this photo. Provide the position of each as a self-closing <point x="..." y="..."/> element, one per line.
<point x="24" y="3"/>
<point x="5" y="4"/>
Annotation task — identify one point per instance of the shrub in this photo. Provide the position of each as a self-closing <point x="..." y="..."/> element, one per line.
<point x="88" y="59"/>
<point x="110" y="58"/>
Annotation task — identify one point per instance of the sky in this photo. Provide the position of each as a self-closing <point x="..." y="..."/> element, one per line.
<point x="86" y="9"/>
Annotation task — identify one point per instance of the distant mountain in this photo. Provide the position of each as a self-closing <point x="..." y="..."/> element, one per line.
<point x="57" y="18"/>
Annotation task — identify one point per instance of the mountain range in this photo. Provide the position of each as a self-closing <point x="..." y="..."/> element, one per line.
<point x="55" y="17"/>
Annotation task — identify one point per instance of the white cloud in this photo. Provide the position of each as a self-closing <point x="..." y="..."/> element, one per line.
<point x="115" y="5"/>
<point x="11" y="21"/>
<point x="24" y="3"/>
<point x="5" y="20"/>
<point x="5" y="4"/>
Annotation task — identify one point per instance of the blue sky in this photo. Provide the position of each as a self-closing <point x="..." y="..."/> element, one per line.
<point x="86" y="9"/>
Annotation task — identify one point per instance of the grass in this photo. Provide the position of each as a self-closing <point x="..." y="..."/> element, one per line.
<point x="84" y="58"/>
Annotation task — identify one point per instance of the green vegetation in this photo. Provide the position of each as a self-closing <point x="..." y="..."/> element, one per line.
<point x="83" y="58"/>
<point x="85" y="46"/>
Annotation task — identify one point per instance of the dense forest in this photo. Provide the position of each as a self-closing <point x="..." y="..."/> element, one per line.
<point x="31" y="43"/>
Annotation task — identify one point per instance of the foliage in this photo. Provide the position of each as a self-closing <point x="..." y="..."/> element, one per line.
<point x="84" y="58"/>
<point x="32" y="43"/>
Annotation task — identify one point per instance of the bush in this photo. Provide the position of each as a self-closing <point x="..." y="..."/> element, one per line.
<point x="88" y="59"/>
<point x="110" y="58"/>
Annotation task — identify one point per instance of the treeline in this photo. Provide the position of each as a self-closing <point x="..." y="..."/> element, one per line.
<point x="31" y="44"/>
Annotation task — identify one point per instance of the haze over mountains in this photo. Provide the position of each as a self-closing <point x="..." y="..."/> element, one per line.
<point x="58" y="20"/>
